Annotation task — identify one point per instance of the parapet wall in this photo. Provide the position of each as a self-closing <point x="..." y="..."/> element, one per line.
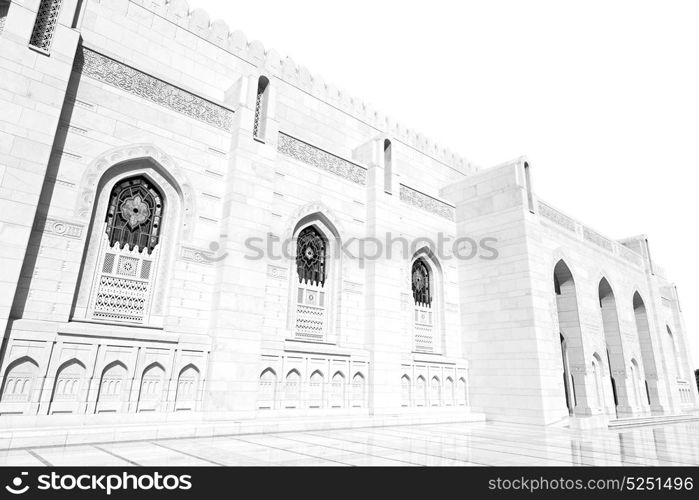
<point x="269" y="61"/>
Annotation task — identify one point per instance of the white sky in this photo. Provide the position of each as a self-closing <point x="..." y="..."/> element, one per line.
<point x="603" y="97"/>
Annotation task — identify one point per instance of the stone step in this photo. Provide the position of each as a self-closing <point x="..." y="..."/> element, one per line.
<point x="654" y="420"/>
<point x="27" y="437"/>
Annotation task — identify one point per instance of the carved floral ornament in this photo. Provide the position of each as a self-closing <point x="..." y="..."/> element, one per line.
<point x="135" y="211"/>
<point x="128" y="79"/>
<point x="420" y="200"/>
<point x="147" y="153"/>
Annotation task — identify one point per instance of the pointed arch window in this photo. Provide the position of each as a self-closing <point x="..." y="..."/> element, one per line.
<point x="310" y="257"/>
<point x="421" y="283"/>
<point x="134" y="215"/>
<point x="128" y="252"/>
<point x="423" y="314"/>
<point x="261" y="101"/>
<point x="311" y="268"/>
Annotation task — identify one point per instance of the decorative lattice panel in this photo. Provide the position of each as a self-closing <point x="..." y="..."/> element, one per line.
<point x="145" y="269"/>
<point x="127" y="266"/>
<point x="258" y="115"/>
<point x="108" y="265"/>
<point x="45" y="24"/>
<point x="309" y="322"/>
<point x="121" y="299"/>
<point x="423" y="338"/>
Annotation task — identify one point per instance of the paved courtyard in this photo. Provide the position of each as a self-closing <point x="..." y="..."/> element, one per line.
<point x="433" y="445"/>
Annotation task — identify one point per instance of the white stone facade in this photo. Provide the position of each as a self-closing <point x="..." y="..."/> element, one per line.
<point x="142" y="119"/>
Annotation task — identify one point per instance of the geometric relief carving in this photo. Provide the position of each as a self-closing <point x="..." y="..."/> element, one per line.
<point x="127" y="266"/>
<point x="121" y="299"/>
<point x="630" y="256"/>
<point x="312" y="155"/>
<point x="352" y="287"/>
<point x="310" y="322"/>
<point x="197" y="255"/>
<point x="597" y="239"/>
<point x="425" y="202"/>
<point x="63" y="228"/>
<point x="276" y="272"/>
<point x="45" y="24"/>
<point x="123" y="291"/>
<point x="96" y="170"/>
<point x="554" y="215"/>
<point x="128" y="79"/>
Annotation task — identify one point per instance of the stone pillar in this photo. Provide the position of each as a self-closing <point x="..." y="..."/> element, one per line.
<point x="238" y="308"/>
<point x="385" y="338"/>
<point x="507" y="307"/>
<point x="28" y="128"/>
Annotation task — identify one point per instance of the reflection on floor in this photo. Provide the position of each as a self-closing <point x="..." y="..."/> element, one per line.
<point x="438" y="444"/>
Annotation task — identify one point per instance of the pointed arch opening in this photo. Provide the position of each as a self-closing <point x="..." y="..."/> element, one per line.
<point x="337" y="390"/>
<point x="68" y="387"/>
<point x="614" y="344"/>
<point x="449" y="399"/>
<point x="316" y="273"/>
<point x="19" y="382"/>
<point x="135" y="223"/>
<point x="316" y="389"/>
<point x="152" y="391"/>
<point x="405" y="391"/>
<point x="648" y="354"/>
<point x="427" y="311"/>
<point x="187" y="388"/>
<point x="113" y="388"/>
<point x="420" y="392"/>
<point x="570" y="334"/>
<point x="435" y="391"/>
<point x="292" y="389"/>
<point x="358" y="390"/>
<point x="268" y="389"/>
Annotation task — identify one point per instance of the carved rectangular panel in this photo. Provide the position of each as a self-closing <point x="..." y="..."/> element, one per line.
<point x="425" y="202"/>
<point x="312" y="155"/>
<point x="128" y="79"/>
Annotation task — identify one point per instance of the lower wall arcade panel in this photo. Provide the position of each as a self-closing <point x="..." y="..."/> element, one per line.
<point x="95" y="377"/>
<point x="312" y="382"/>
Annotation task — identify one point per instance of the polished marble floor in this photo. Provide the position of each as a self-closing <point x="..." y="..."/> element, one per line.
<point x="433" y="445"/>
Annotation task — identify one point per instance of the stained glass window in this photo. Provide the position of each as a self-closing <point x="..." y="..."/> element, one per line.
<point x="421" y="283"/>
<point x="310" y="257"/>
<point x="134" y="214"/>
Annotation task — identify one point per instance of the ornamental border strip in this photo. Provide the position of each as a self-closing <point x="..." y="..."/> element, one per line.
<point x="124" y="77"/>
<point x="312" y="155"/>
<point x="425" y="202"/>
